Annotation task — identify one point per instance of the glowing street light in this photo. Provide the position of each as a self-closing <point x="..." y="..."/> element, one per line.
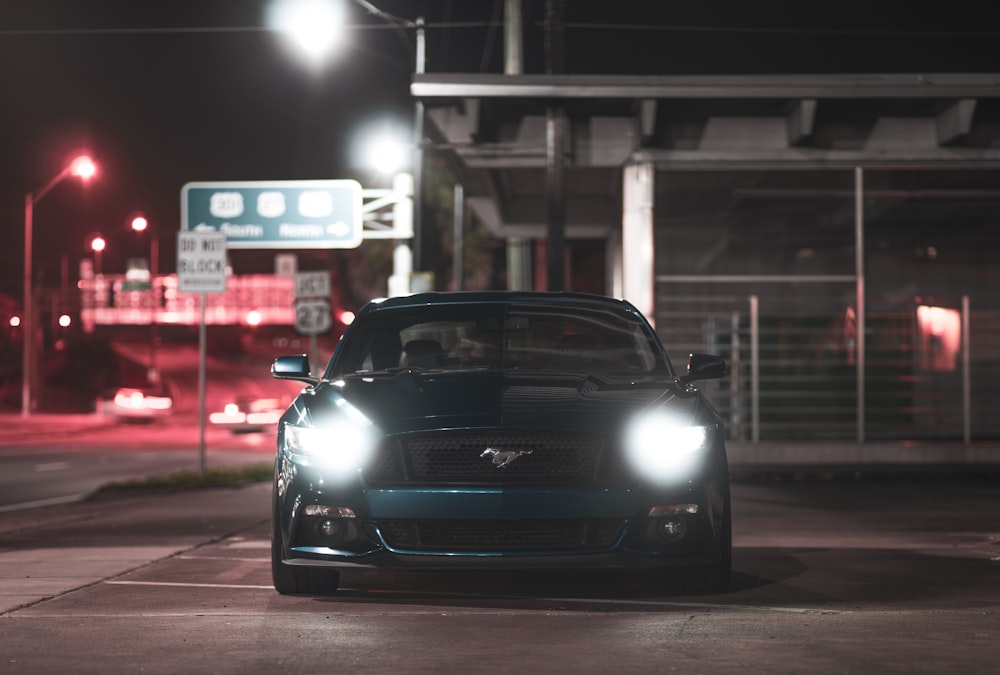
<point x="140" y="224"/>
<point x="385" y="149"/>
<point x="82" y="167"/>
<point x="314" y="27"/>
<point x="97" y="245"/>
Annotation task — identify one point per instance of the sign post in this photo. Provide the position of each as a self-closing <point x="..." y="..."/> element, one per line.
<point x="312" y="308"/>
<point x="201" y="268"/>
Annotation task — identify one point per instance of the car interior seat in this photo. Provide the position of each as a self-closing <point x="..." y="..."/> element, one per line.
<point x="422" y="353"/>
<point x="385" y="352"/>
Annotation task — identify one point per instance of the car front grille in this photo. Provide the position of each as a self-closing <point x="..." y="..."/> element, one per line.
<point x="488" y="459"/>
<point x="494" y="536"/>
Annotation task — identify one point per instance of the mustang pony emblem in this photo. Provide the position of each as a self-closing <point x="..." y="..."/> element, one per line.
<point x="502" y="458"/>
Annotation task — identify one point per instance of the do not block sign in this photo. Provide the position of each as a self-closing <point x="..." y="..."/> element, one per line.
<point x="201" y="262"/>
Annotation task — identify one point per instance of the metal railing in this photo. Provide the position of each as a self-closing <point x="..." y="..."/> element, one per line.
<point x="929" y="374"/>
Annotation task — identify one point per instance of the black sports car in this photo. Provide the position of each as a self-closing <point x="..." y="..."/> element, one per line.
<point x="500" y="430"/>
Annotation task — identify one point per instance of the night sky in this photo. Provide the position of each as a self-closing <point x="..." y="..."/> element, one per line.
<point x="165" y="93"/>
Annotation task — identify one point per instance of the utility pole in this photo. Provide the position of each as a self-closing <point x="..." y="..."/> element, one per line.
<point x="555" y="143"/>
<point x="518" y="249"/>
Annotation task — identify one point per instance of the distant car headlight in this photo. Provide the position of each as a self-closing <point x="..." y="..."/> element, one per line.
<point x="341" y="444"/>
<point x="665" y="446"/>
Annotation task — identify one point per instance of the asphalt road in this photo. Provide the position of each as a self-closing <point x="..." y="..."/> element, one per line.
<point x="869" y="576"/>
<point x="51" y="458"/>
<point x="66" y="465"/>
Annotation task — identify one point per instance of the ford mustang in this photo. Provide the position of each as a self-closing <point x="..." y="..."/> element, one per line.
<point x="500" y="430"/>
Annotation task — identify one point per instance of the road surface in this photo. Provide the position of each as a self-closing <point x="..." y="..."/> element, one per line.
<point x="891" y="576"/>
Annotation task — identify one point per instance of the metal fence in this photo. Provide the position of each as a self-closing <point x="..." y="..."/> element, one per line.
<point x="929" y="372"/>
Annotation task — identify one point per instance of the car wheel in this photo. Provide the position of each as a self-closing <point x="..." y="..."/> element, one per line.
<point x="294" y="580"/>
<point x="715" y="578"/>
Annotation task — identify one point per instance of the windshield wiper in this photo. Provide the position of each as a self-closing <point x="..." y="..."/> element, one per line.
<point x="422" y="370"/>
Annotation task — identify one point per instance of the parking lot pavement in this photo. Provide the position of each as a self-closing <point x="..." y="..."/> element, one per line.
<point x="829" y="578"/>
<point x="49" y="551"/>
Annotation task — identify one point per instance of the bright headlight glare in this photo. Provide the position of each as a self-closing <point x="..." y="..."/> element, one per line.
<point x="664" y="446"/>
<point x="341" y="446"/>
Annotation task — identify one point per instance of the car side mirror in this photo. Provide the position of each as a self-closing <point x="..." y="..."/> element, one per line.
<point x="293" y="368"/>
<point x="705" y="367"/>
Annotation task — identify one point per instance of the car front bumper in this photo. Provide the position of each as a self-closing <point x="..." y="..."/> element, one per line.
<point x="493" y="527"/>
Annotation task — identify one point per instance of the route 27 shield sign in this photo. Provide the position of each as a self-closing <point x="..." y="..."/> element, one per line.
<point x="312" y="316"/>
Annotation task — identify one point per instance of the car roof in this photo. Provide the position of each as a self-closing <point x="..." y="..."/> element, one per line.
<point x="499" y="297"/>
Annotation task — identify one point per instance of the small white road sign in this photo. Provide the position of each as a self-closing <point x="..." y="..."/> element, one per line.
<point x="312" y="285"/>
<point x="201" y="262"/>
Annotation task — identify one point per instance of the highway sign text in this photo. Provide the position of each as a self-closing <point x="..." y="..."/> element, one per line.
<point x="314" y="214"/>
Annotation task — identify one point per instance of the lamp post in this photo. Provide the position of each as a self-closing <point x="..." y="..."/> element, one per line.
<point x="140" y="224"/>
<point x="97" y="245"/>
<point x="84" y="168"/>
<point x="315" y="27"/>
<point x="387" y="155"/>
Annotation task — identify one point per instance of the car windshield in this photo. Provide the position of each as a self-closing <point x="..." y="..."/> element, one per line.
<point x="485" y="336"/>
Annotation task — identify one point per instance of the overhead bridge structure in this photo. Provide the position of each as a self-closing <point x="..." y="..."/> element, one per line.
<point x="797" y="222"/>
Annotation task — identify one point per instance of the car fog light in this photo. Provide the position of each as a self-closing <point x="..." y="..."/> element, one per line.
<point x="332" y="529"/>
<point x="673" y="530"/>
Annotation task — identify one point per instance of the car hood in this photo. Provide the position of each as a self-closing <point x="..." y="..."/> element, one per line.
<point x="411" y="401"/>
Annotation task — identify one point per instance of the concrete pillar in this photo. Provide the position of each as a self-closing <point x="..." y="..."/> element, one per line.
<point x="613" y="265"/>
<point x="637" y="267"/>
<point x="402" y="218"/>
<point x="519" y="277"/>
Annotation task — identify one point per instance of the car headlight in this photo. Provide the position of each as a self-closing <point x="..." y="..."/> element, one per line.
<point x="664" y="445"/>
<point x="341" y="444"/>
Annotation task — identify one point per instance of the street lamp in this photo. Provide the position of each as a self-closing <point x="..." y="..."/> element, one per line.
<point x="386" y="152"/>
<point x="316" y="27"/>
<point x="140" y="224"/>
<point x="97" y="245"/>
<point x="84" y="168"/>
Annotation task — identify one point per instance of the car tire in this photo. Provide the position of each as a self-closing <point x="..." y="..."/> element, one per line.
<point x="715" y="578"/>
<point x="294" y="580"/>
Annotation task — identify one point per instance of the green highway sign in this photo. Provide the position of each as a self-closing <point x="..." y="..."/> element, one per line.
<point x="276" y="214"/>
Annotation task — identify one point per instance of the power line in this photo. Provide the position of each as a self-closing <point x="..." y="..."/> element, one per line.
<point x="884" y="32"/>
<point x="30" y="32"/>
<point x="398" y="24"/>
